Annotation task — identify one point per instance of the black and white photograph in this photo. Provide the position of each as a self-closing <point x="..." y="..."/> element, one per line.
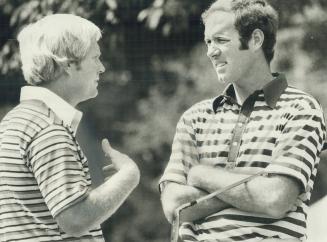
<point x="163" y="120"/>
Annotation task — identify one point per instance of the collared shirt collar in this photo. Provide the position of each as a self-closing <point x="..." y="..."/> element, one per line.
<point x="274" y="89"/>
<point x="272" y="92"/>
<point x="66" y="112"/>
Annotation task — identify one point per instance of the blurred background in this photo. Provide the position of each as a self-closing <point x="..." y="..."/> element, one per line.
<point x="156" y="67"/>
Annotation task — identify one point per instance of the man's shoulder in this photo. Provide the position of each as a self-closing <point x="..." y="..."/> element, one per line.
<point x="34" y="110"/>
<point x="30" y="117"/>
<point x="200" y="108"/>
<point x="299" y="99"/>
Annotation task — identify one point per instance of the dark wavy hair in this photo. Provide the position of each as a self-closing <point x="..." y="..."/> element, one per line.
<point x="250" y="15"/>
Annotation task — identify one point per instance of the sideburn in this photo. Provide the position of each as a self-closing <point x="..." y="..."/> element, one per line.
<point x="244" y="44"/>
<point x="78" y="64"/>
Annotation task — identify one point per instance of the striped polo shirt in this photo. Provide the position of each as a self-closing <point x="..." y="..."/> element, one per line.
<point x="284" y="134"/>
<point x="43" y="170"/>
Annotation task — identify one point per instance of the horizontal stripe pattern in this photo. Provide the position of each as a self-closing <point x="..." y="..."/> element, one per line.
<point x="285" y="140"/>
<point x="43" y="171"/>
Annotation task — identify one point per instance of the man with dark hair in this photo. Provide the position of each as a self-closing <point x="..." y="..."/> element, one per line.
<point x="259" y="124"/>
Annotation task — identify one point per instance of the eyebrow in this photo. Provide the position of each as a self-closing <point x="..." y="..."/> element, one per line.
<point x="217" y="36"/>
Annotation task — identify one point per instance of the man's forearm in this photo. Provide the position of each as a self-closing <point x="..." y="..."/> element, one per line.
<point x="202" y="210"/>
<point x="100" y="203"/>
<point x="272" y="196"/>
<point x="174" y="195"/>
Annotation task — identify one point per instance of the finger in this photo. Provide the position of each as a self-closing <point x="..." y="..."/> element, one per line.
<point x="109" y="170"/>
<point x="106" y="147"/>
<point x="107" y="178"/>
<point x="108" y="150"/>
<point x="109" y="167"/>
<point x="110" y="173"/>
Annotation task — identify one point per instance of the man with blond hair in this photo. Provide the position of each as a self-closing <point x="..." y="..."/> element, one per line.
<point x="45" y="184"/>
<point x="258" y="125"/>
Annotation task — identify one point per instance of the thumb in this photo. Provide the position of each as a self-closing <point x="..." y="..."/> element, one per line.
<point x="106" y="147"/>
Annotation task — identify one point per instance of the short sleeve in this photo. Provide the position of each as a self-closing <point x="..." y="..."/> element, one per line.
<point x="297" y="150"/>
<point x="54" y="159"/>
<point x="183" y="155"/>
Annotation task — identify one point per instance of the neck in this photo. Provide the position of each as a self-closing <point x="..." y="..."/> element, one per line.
<point x="256" y="79"/>
<point x="62" y="89"/>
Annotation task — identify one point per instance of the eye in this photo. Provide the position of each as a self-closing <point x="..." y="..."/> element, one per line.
<point x="221" y="40"/>
<point x="207" y="41"/>
<point x="97" y="58"/>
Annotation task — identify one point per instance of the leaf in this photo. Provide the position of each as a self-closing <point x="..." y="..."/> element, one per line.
<point x="112" y="4"/>
<point x="158" y="3"/>
<point x="154" y="18"/>
<point x="143" y="15"/>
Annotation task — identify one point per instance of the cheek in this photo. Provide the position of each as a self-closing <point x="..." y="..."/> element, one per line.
<point x="90" y="70"/>
<point x="238" y="60"/>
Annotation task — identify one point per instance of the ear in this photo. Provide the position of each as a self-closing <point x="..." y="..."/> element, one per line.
<point x="257" y="39"/>
<point x="68" y="67"/>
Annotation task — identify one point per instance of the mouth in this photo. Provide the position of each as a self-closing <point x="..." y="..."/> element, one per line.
<point x="220" y="64"/>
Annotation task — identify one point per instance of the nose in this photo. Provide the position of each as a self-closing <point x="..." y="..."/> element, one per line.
<point x="101" y="68"/>
<point x="213" y="51"/>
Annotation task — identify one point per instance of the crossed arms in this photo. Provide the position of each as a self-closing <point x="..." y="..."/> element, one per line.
<point x="272" y="195"/>
<point x="293" y="159"/>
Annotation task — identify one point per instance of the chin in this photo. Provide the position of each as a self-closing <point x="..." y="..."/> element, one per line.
<point x="92" y="96"/>
<point x="95" y="95"/>
<point x="221" y="78"/>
